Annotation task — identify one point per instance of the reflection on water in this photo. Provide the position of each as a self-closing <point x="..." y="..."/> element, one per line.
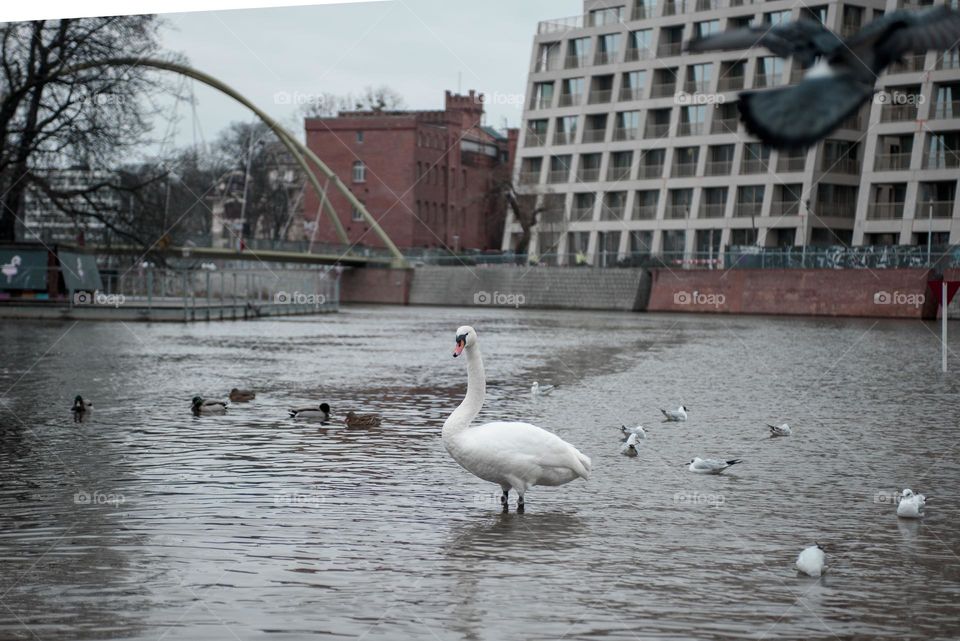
<point x="144" y="522"/>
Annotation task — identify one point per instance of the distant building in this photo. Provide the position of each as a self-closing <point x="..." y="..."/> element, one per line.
<point x="428" y="177"/>
<point x="634" y="147"/>
<point x="44" y="221"/>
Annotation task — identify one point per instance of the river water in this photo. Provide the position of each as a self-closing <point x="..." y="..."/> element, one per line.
<point x="145" y="522"/>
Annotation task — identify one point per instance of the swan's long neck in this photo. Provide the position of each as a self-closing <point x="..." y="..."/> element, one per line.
<point x="461" y="417"/>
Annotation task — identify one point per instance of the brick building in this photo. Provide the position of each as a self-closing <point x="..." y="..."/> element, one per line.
<point x="426" y="176"/>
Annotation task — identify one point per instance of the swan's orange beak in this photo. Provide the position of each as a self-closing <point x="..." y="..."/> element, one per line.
<point x="459" y="348"/>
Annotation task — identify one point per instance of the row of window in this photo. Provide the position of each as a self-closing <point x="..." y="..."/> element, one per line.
<point x="440" y="175"/>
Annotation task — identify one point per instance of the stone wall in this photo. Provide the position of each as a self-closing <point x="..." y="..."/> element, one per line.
<point x="532" y="287"/>
<point x="879" y="293"/>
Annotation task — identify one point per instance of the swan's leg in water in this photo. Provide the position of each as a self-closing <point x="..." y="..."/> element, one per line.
<point x="520" y="502"/>
<point x="505" y="497"/>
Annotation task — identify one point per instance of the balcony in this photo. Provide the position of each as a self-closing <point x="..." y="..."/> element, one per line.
<point x="944" y="160"/>
<point x="842" y="165"/>
<point x="854" y="122"/>
<point x="533" y="139"/>
<point x="575" y="62"/>
<point x="885" y="211"/>
<point x="550" y="64"/>
<point x="677" y="212"/>
<point x="594" y="135"/>
<point x="768" y="80"/>
<point x="898" y="113"/>
<point x="910" y="63"/>
<point x="543" y="102"/>
<point x="606" y="57"/>
<point x="581" y="213"/>
<point x="558" y="176"/>
<point x="718" y="168"/>
<point x="791" y="164"/>
<point x="696" y="86"/>
<point x="667" y="49"/>
<point x="560" y="24"/>
<point x="600" y="96"/>
<point x="626" y="133"/>
<point x="673" y="7"/>
<point x="730" y="83"/>
<point x="948" y="60"/>
<point x="835" y="210"/>
<point x="565" y="138"/>
<point x="617" y="173"/>
<point x="644" y="212"/>
<point x="946" y="109"/>
<point x="723" y="126"/>
<point x="754" y="166"/>
<point x="642" y="12"/>
<point x="847" y="29"/>
<point x="570" y="99"/>
<point x="529" y="177"/>
<point x="746" y="210"/>
<point x="708" y="5"/>
<point x="892" y="162"/>
<point x="684" y="169"/>
<point x="588" y="175"/>
<point x="712" y="210"/>
<point x="690" y="128"/>
<point x="631" y="93"/>
<point x="785" y="208"/>
<point x="651" y="171"/>
<point x="663" y="89"/>
<point x="638" y="53"/>
<point x="656" y="130"/>
<point x="939" y="209"/>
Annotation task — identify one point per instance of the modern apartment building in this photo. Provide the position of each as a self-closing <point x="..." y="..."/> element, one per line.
<point x="634" y="147"/>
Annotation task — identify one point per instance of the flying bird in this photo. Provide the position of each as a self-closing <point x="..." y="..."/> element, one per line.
<point x="841" y="79"/>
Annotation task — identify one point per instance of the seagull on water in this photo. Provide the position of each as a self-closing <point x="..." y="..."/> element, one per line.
<point x="638" y="431"/>
<point x="811" y="560"/>
<point x="679" y="414"/>
<point x="780" y="430"/>
<point x="710" y="465"/>
<point x="841" y="79"/>
<point x="630" y="447"/>
<point x="541" y="390"/>
<point x="911" y="504"/>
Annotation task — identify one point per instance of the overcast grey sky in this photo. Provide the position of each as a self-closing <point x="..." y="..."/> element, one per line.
<point x="418" y="47"/>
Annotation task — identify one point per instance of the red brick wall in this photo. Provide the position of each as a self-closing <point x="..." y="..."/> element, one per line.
<point x="888" y="293"/>
<point x="375" y="285"/>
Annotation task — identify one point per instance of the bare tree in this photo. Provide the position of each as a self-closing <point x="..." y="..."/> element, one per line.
<point x="50" y="119"/>
<point x="525" y="211"/>
<point x="382" y="98"/>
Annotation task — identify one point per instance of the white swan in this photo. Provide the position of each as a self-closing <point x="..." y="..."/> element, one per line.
<point x="911" y="504"/>
<point x="811" y="560"/>
<point x="512" y="455"/>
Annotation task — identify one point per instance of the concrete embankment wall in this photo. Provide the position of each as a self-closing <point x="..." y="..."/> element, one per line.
<point x="531" y="287"/>
<point x="882" y="293"/>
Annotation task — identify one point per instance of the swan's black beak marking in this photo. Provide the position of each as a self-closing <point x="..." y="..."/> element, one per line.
<point x="461" y="343"/>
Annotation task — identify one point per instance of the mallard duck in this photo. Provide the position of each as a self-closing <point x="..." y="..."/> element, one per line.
<point x="241" y="395"/>
<point x="202" y="407"/>
<point x="321" y="411"/>
<point x="361" y="420"/>
<point x="80" y="408"/>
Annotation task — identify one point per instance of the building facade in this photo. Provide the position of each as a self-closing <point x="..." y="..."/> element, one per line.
<point x="430" y="178"/>
<point x="634" y="147"/>
<point x="45" y="222"/>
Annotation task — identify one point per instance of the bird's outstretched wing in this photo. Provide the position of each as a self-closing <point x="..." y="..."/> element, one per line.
<point x="798" y="116"/>
<point x="900" y="32"/>
<point x="805" y="39"/>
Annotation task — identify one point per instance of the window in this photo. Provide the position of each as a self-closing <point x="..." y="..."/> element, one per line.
<point x="359" y="172"/>
<point x="355" y="214"/>
<point x="360" y="137"/>
<point x="777" y="17"/>
<point x="706" y="28"/>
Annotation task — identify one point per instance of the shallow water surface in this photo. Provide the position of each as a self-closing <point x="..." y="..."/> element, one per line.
<point x="145" y="522"/>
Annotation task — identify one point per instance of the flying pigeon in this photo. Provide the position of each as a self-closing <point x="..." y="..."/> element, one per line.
<point x="841" y="80"/>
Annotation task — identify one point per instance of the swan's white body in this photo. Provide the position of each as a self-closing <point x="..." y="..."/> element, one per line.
<point x="512" y="455"/>
<point x="810" y="561"/>
<point x="911" y="505"/>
